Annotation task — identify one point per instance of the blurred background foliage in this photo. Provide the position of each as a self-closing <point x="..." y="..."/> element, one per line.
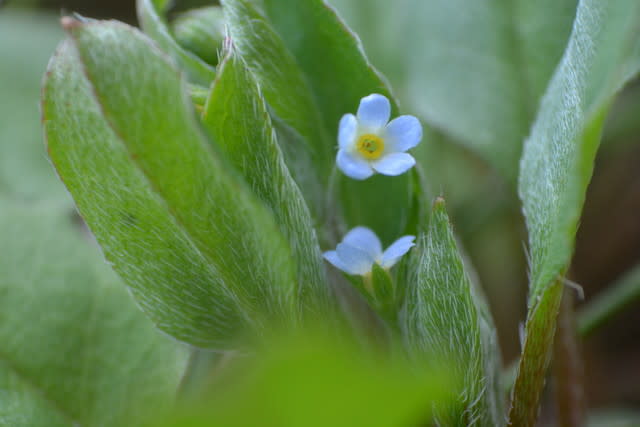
<point x="484" y="207"/>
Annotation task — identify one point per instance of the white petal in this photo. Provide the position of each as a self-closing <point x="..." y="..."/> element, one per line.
<point x="355" y="260"/>
<point x="347" y="131"/>
<point x="334" y="259"/>
<point x="394" y="163"/>
<point x="352" y="166"/>
<point x="374" y="112"/>
<point x="364" y="239"/>
<point x="403" y="133"/>
<point x="396" y="250"/>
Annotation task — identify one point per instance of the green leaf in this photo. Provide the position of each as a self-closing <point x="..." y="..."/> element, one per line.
<point x="557" y="164"/>
<point x="26" y="42"/>
<point x="75" y="349"/>
<point x="475" y="70"/>
<point x="150" y="14"/>
<point x="315" y="381"/>
<point x="306" y="145"/>
<point x="331" y="58"/>
<point x="237" y="118"/>
<point x="444" y="318"/>
<point x="201" y="31"/>
<point x="200" y="252"/>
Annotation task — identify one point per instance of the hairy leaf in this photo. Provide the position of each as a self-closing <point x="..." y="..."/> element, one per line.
<point x="310" y="155"/>
<point x="75" y="349"/>
<point x="444" y="318"/>
<point x="237" y="117"/>
<point x="150" y="14"/>
<point x="199" y="250"/>
<point x="557" y="163"/>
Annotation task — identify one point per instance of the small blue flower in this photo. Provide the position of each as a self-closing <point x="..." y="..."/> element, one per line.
<point x="368" y="144"/>
<point x="361" y="248"/>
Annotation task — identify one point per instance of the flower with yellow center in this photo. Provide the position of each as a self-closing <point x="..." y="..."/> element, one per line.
<point x="369" y="143"/>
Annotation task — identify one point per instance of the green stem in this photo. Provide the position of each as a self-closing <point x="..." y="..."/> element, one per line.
<point x="611" y="301"/>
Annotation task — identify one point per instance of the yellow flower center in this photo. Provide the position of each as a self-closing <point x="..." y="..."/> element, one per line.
<point x="370" y="146"/>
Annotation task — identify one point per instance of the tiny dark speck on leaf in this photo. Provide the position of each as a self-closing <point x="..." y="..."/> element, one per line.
<point x="129" y="219"/>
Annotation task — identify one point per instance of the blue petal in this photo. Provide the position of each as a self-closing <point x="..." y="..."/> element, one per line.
<point x="334" y="259"/>
<point x="352" y="166"/>
<point x="355" y="260"/>
<point x="364" y="239"/>
<point x="347" y="131"/>
<point x="396" y="250"/>
<point x="403" y="133"/>
<point x="373" y="112"/>
<point x="394" y="164"/>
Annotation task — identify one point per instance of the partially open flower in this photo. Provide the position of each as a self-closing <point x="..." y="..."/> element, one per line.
<point x="361" y="248"/>
<point x="368" y="144"/>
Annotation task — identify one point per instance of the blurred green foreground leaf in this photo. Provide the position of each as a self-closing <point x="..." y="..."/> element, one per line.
<point x="74" y="348"/>
<point x="313" y="381"/>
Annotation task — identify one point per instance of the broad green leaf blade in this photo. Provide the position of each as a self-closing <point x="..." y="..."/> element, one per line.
<point x="331" y="57"/>
<point x="315" y="381"/>
<point x="309" y="156"/>
<point x="171" y="279"/>
<point x="558" y="158"/>
<point x="475" y="70"/>
<point x="150" y="14"/>
<point x="444" y="318"/>
<point x="201" y="253"/>
<point x="237" y="117"/>
<point x="26" y="42"/>
<point x="556" y="167"/>
<point x="75" y="349"/>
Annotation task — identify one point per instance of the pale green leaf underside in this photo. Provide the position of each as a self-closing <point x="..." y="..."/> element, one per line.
<point x="200" y="252"/>
<point x="237" y="118"/>
<point x="442" y="319"/>
<point x="75" y="349"/>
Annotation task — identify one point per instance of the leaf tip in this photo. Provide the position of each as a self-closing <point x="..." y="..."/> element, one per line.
<point x="69" y="24"/>
<point x="439" y="203"/>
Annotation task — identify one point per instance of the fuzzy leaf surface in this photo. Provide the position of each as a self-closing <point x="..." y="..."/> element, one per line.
<point x="557" y="164"/>
<point x="307" y="147"/>
<point x="200" y="252"/>
<point x="237" y="117"/>
<point x="443" y="318"/>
